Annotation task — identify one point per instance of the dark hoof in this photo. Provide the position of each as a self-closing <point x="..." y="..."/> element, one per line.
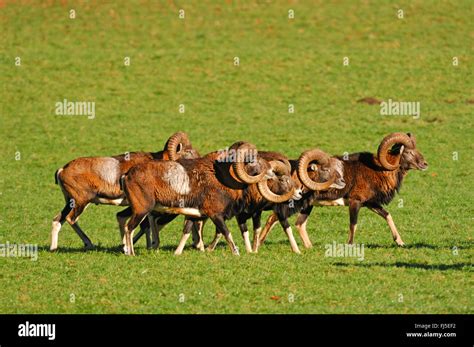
<point x="90" y="247"/>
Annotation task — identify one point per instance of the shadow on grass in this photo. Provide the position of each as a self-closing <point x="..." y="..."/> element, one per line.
<point x="172" y="248"/>
<point x="438" y="267"/>
<point x="281" y="242"/>
<point x="97" y="248"/>
<point x="117" y="249"/>
<point x="418" y="245"/>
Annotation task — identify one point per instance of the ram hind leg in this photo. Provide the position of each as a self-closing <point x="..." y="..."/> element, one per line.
<point x="354" y="207"/>
<point x="198" y="241"/>
<point x="130" y="227"/>
<point x="222" y="228"/>
<point x="157" y="223"/>
<point x="77" y="207"/>
<point x="58" y="221"/>
<point x="217" y="237"/>
<point x="188" y="225"/>
<point x="122" y="218"/>
<point x="271" y="222"/>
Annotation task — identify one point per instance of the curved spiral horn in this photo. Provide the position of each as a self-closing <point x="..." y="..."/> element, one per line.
<point x="280" y="169"/>
<point x="303" y="162"/>
<point x="386" y="145"/>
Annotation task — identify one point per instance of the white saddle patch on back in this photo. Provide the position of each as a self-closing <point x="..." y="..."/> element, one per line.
<point x="108" y="169"/>
<point x="177" y="178"/>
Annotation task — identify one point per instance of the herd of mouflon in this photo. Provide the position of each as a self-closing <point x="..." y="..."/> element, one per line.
<point x="240" y="181"/>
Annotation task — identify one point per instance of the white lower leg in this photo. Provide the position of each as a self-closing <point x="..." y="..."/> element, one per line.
<point x="121" y="222"/>
<point x="130" y="242"/>
<point x="393" y="229"/>
<point x="182" y="243"/>
<point x="54" y="235"/>
<point x="294" y="245"/>
<point x="230" y="242"/>
<point x="248" y="245"/>
<point x="352" y="230"/>
<point x="123" y="232"/>
<point x="256" y="239"/>
<point x="200" y="244"/>
<point x="214" y="242"/>
<point x="127" y="248"/>
<point x="124" y="242"/>
<point x="304" y="234"/>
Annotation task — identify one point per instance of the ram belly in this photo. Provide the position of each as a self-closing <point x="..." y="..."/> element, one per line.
<point x="187" y="211"/>
<point x="338" y="202"/>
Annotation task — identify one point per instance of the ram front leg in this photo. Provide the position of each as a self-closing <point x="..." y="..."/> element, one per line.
<point x="388" y="218"/>
<point x="301" y="222"/>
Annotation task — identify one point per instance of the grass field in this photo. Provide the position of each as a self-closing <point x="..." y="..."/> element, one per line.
<point x="283" y="61"/>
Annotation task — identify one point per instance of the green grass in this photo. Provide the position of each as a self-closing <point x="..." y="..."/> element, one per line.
<point x="282" y="62"/>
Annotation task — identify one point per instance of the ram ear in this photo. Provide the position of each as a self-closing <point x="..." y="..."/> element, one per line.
<point x="269" y="175"/>
<point x="313" y="167"/>
<point x="401" y="149"/>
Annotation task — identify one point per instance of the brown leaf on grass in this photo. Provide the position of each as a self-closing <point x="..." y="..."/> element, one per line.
<point x="24" y="298"/>
<point x="434" y="174"/>
<point x="370" y="101"/>
<point x="470" y="101"/>
<point x="275" y="297"/>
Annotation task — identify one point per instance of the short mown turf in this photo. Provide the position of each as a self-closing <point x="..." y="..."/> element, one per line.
<point x="282" y="61"/>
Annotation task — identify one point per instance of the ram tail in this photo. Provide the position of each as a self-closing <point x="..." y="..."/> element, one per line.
<point x="56" y="175"/>
<point x="122" y="182"/>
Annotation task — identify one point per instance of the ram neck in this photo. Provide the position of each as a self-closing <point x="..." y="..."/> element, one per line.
<point x="389" y="185"/>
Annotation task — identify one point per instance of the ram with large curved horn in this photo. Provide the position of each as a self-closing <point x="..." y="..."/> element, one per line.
<point x="279" y="169"/>
<point x="367" y="185"/>
<point x="385" y="154"/>
<point x="277" y="187"/>
<point x="247" y="153"/>
<point x="313" y="172"/>
<point x="319" y="157"/>
<point x="204" y="188"/>
<point x="97" y="180"/>
<point x="177" y="144"/>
